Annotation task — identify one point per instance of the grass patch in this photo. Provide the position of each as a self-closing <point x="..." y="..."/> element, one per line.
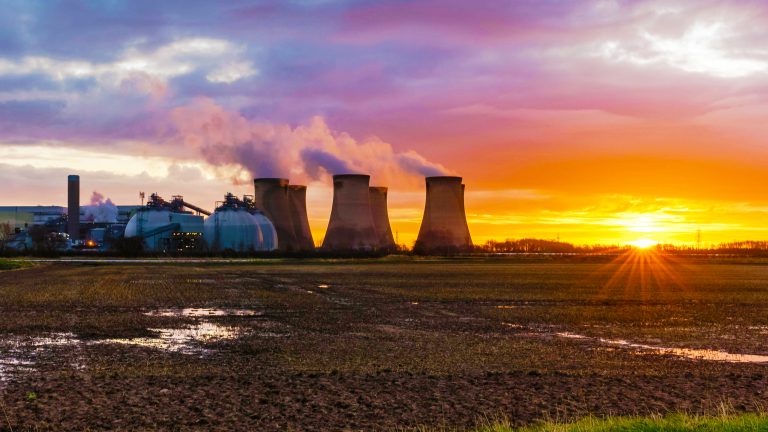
<point x="6" y="264"/>
<point x="671" y="422"/>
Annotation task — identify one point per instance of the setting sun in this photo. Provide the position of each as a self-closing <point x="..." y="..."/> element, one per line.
<point x="643" y="243"/>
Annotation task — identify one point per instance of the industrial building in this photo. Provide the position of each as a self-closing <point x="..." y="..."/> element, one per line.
<point x="297" y="205"/>
<point x="351" y="226"/>
<point x="166" y="226"/>
<point x="286" y="207"/>
<point x="444" y="225"/>
<point x="237" y="226"/>
<point x="274" y="218"/>
<point x="378" y="197"/>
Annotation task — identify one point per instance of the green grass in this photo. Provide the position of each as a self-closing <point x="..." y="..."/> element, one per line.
<point x="672" y="422"/>
<point x="6" y="264"/>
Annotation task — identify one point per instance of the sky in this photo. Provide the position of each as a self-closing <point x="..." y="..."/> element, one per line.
<point x="591" y="121"/>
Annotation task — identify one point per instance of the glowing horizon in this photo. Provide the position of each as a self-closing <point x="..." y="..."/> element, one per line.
<point x="602" y="122"/>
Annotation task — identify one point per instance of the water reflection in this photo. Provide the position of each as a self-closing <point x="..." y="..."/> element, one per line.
<point x="19" y="353"/>
<point x="695" y="354"/>
<point x="202" y="312"/>
<point x="184" y="340"/>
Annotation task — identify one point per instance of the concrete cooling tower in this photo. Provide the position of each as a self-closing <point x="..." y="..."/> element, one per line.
<point x="351" y="227"/>
<point x="297" y="204"/>
<point x="271" y="197"/>
<point x="444" y="226"/>
<point x="73" y="207"/>
<point x="378" y="197"/>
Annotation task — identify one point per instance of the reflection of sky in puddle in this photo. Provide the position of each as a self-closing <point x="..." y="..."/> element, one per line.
<point x="18" y="354"/>
<point x="696" y="354"/>
<point x="202" y="312"/>
<point x="184" y="340"/>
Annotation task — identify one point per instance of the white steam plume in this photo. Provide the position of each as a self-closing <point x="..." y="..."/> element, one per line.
<point x="226" y="139"/>
<point x="101" y="210"/>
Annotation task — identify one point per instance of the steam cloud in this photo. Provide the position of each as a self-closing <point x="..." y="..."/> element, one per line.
<point x="100" y="210"/>
<point x="226" y="139"/>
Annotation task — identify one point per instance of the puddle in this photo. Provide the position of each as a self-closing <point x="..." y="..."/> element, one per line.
<point x="184" y="340"/>
<point x="11" y="365"/>
<point x="695" y="354"/>
<point x="506" y="307"/>
<point x="19" y="354"/>
<point x="323" y="286"/>
<point x="202" y="312"/>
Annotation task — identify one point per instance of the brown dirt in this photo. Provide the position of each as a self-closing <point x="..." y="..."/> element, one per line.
<point x="386" y="345"/>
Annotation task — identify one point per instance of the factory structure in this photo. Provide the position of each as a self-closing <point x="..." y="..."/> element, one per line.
<point x="274" y="218"/>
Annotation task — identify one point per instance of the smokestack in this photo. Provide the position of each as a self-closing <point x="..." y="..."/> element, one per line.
<point x="444" y="227"/>
<point x="73" y="207"/>
<point x="351" y="226"/>
<point x="271" y="197"/>
<point x="297" y="204"/>
<point x="381" y="218"/>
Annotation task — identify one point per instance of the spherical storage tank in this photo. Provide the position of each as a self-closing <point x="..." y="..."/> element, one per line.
<point x="147" y="220"/>
<point x="236" y="228"/>
<point x="157" y="226"/>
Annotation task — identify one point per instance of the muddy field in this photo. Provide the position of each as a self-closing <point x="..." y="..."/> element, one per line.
<point x="372" y="345"/>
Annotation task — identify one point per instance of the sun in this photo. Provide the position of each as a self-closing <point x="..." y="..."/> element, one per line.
<point x="643" y="243"/>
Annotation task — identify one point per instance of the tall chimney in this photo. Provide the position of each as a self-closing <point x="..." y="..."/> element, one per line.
<point x="73" y="207"/>
<point x="444" y="226"/>
<point x="297" y="204"/>
<point x="351" y="226"/>
<point x="271" y="197"/>
<point x="381" y="218"/>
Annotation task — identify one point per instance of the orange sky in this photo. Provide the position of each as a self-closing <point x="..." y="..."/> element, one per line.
<point x="599" y="121"/>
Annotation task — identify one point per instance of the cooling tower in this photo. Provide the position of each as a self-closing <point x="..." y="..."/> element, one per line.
<point x="351" y="226"/>
<point x="297" y="204"/>
<point x="444" y="227"/>
<point x="381" y="218"/>
<point x="73" y="207"/>
<point x="271" y="197"/>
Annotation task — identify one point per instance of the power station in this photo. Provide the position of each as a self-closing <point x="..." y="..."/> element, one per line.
<point x="274" y="218"/>
<point x="351" y="227"/>
<point x="444" y="225"/>
<point x="297" y="205"/>
<point x="378" y="197"/>
<point x="271" y="198"/>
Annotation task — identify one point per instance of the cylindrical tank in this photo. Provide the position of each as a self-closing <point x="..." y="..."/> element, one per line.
<point x="297" y="203"/>
<point x="444" y="226"/>
<point x="73" y="207"/>
<point x="271" y="198"/>
<point x="381" y="218"/>
<point x="351" y="226"/>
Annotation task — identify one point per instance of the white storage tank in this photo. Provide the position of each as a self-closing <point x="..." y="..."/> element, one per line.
<point x="162" y="228"/>
<point x="233" y="226"/>
<point x="268" y="231"/>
